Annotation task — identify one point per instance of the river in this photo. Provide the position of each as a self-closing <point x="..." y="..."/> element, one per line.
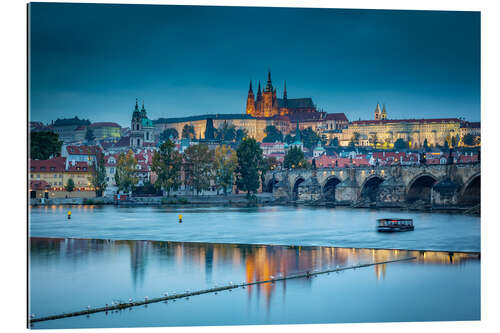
<point x="108" y="253"/>
<point x="280" y="225"/>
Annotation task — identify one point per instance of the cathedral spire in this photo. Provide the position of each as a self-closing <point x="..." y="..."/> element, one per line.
<point x="284" y="92"/>
<point x="250" y="89"/>
<point x="259" y="93"/>
<point x="269" y="85"/>
<point x="136" y="105"/>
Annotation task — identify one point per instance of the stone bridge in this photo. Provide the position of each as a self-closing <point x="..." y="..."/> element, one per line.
<point x="436" y="185"/>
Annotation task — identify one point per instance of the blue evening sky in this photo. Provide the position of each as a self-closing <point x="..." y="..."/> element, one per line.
<point x="93" y="60"/>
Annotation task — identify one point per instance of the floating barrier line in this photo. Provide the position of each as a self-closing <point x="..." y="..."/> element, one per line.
<point x="125" y="305"/>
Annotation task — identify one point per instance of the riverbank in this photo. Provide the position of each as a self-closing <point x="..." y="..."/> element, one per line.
<point x="261" y="199"/>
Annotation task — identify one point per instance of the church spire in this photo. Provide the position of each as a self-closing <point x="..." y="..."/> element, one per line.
<point x="136" y="105"/>
<point x="250" y="89"/>
<point x="284" y="92"/>
<point x="259" y="93"/>
<point x="269" y="86"/>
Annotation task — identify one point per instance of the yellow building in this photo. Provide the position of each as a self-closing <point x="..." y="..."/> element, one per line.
<point x="254" y="126"/>
<point x="48" y="179"/>
<point x="105" y="130"/>
<point x="382" y="132"/>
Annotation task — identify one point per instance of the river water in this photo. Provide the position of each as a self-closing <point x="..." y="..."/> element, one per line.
<point x="133" y="252"/>
<point x="341" y="227"/>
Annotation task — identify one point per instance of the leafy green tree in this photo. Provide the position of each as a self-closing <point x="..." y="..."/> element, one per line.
<point x="89" y="135"/>
<point x="334" y="142"/>
<point x="225" y="163"/>
<point x="70" y="185"/>
<point x="125" y="175"/>
<point x="250" y="164"/>
<point x="169" y="132"/>
<point x="289" y="139"/>
<point x="188" y="132"/>
<point x="294" y="159"/>
<point x="446" y="145"/>
<point x="351" y="143"/>
<point x="241" y="133"/>
<point x="272" y="134"/>
<point x="426" y="144"/>
<point x="400" y="144"/>
<point x="98" y="176"/>
<point x="226" y="132"/>
<point x="167" y="163"/>
<point x="309" y="138"/>
<point x="468" y="140"/>
<point x="198" y="167"/>
<point x="44" y="145"/>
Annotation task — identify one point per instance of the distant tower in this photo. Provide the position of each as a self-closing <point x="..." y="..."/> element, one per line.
<point x="142" y="128"/>
<point x="377" y="112"/>
<point x="136" y="136"/>
<point x="251" y="101"/>
<point x="284" y="108"/>
<point x="384" y="113"/>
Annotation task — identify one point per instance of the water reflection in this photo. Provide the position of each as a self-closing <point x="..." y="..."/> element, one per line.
<point x="245" y="262"/>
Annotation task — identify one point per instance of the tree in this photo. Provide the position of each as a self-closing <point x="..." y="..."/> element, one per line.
<point x="334" y="142"/>
<point x="468" y="139"/>
<point x="125" y="176"/>
<point x="167" y="163"/>
<point x="426" y="144"/>
<point x="249" y="165"/>
<point x="355" y="138"/>
<point x="188" y="132"/>
<point x="198" y="167"/>
<point x="453" y="141"/>
<point x="89" y="135"/>
<point x="289" y="139"/>
<point x="169" y="132"/>
<point x="98" y="177"/>
<point x="374" y="140"/>
<point x="446" y="145"/>
<point x="44" y="145"/>
<point x="225" y="163"/>
<point x="294" y="158"/>
<point x="241" y="133"/>
<point x="226" y="132"/>
<point x="70" y="185"/>
<point x="400" y="144"/>
<point x="309" y="138"/>
<point x="272" y="134"/>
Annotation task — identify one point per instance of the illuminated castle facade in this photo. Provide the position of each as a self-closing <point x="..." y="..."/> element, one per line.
<point x="267" y="104"/>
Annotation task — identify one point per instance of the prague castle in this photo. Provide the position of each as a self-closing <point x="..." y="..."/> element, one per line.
<point x="268" y="105"/>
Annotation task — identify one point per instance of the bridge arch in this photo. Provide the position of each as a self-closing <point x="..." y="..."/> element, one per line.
<point x="370" y="187"/>
<point x="470" y="194"/>
<point x="270" y="185"/>
<point x="329" y="187"/>
<point x="295" y="189"/>
<point x="420" y="187"/>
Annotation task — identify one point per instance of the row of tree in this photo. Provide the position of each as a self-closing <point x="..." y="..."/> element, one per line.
<point x="200" y="166"/>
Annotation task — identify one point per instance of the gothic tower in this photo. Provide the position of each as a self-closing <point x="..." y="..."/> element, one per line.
<point x="251" y="101"/>
<point x="377" y="112"/>
<point x="383" y="115"/>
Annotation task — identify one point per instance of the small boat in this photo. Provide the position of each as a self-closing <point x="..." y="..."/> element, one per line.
<point x="394" y="225"/>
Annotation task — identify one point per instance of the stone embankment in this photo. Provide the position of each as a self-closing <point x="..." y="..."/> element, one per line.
<point x="233" y="199"/>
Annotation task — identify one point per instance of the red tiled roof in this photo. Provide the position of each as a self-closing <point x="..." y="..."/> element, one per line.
<point x="389" y="121"/>
<point x="39" y="185"/>
<point x="336" y="116"/>
<point x="56" y="164"/>
<point x="79" y="166"/>
<point x="105" y="124"/>
<point x="83" y="150"/>
<point x="123" y="142"/>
